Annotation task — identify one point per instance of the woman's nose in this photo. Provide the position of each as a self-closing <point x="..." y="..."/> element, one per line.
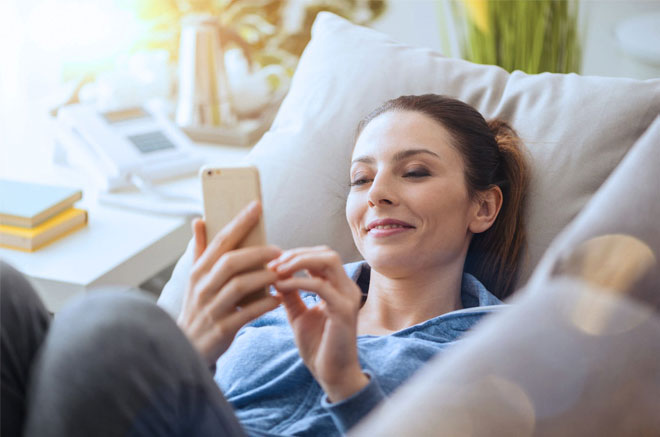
<point x="381" y="193"/>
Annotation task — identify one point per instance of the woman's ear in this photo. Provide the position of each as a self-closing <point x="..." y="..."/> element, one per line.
<point x="487" y="206"/>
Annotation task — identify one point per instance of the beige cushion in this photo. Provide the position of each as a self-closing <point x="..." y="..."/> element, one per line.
<point x="577" y="130"/>
<point x="627" y="203"/>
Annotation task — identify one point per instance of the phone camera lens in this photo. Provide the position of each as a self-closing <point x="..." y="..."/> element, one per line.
<point x="209" y="172"/>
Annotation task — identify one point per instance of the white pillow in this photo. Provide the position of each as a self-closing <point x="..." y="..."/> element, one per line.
<point x="577" y="129"/>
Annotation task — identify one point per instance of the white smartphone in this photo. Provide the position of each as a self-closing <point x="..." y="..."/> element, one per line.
<point x="226" y="191"/>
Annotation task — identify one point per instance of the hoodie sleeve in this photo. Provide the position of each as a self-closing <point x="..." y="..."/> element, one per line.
<point x="348" y="412"/>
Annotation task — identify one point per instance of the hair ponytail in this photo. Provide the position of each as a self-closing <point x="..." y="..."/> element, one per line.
<point x="493" y="154"/>
<point x="494" y="255"/>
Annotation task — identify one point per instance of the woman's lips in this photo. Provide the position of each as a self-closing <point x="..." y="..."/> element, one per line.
<point x="387" y="232"/>
<point x="387" y="227"/>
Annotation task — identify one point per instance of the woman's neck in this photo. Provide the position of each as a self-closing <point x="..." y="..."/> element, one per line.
<point x="395" y="304"/>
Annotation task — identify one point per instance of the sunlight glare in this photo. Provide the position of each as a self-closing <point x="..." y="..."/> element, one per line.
<point x="77" y="29"/>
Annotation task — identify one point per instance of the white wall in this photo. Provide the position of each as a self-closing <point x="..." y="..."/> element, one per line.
<point x="422" y="23"/>
<point x="415" y="22"/>
<point x="603" y="55"/>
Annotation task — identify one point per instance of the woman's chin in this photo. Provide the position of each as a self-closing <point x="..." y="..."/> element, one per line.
<point x="391" y="264"/>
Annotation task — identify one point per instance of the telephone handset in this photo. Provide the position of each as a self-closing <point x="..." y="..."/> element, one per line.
<point x="124" y="147"/>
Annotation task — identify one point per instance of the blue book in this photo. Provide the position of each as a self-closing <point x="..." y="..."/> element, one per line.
<point x="28" y="205"/>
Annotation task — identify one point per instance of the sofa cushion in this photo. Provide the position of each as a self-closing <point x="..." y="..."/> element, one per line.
<point x="576" y="128"/>
<point x="627" y="203"/>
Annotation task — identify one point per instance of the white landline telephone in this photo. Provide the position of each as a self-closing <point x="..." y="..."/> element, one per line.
<point x="131" y="146"/>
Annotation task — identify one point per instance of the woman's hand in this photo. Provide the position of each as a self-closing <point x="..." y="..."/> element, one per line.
<point x="326" y="334"/>
<point x="220" y="278"/>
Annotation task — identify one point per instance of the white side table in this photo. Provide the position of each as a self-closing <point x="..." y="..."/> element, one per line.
<point x="115" y="248"/>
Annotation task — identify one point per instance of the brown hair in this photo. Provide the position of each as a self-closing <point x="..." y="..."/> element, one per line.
<point x="493" y="154"/>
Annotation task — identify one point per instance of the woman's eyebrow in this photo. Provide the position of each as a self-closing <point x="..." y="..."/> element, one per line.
<point x="399" y="156"/>
<point x="365" y="159"/>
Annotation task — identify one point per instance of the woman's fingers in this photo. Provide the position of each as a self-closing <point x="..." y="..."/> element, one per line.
<point x="287" y="255"/>
<point x="328" y="279"/>
<point x="326" y="263"/>
<point x="232" y="234"/>
<point x="212" y="336"/>
<point x="239" y="287"/>
<point x="235" y="262"/>
<point x="293" y="303"/>
<point x="317" y="285"/>
<point x="199" y="233"/>
<point x="251" y="311"/>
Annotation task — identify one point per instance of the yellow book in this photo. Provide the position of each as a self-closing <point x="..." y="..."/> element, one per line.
<point x="27" y="204"/>
<point x="31" y="239"/>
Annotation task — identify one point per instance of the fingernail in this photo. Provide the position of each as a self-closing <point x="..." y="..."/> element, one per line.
<point x="250" y="209"/>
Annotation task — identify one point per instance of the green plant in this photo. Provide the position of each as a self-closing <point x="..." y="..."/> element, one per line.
<point x="530" y="35"/>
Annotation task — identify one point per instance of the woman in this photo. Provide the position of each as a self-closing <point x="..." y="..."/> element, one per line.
<point x="434" y="203"/>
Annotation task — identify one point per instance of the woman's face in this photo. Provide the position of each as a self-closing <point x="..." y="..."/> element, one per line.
<point x="408" y="206"/>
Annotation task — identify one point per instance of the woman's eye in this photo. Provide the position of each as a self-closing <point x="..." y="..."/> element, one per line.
<point x="417" y="173"/>
<point x="359" y="181"/>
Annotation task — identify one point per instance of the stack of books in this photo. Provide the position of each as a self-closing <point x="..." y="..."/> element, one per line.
<point x="33" y="215"/>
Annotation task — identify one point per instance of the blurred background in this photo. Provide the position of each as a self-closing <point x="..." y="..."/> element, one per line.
<point x="114" y="53"/>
